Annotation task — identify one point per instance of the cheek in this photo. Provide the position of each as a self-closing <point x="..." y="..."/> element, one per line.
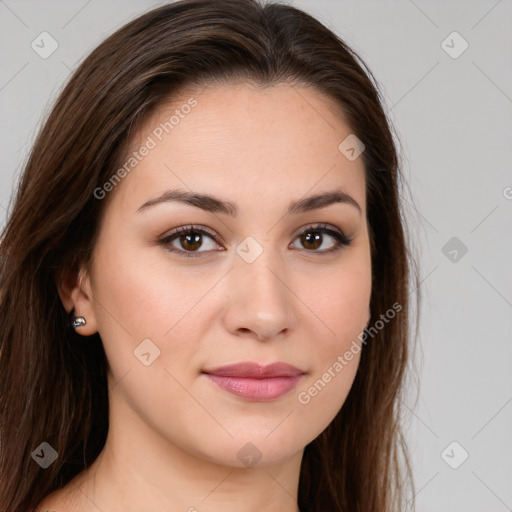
<point x="142" y="296"/>
<point x="341" y="308"/>
<point x="150" y="330"/>
<point x="336" y="355"/>
<point x="145" y="292"/>
<point x="340" y="300"/>
<point x="323" y="395"/>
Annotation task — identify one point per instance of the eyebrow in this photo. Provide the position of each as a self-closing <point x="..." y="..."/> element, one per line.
<point x="213" y="204"/>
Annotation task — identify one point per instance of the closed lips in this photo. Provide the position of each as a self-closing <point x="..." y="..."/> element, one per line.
<point x="255" y="371"/>
<point x="254" y="382"/>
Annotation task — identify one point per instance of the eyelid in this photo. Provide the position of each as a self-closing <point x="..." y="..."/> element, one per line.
<point x="191" y="228"/>
<point x="175" y="233"/>
<point x="319" y="226"/>
<point x="194" y="227"/>
<point x="342" y="240"/>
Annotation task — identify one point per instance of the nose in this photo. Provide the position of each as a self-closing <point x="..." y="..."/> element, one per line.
<point x="261" y="302"/>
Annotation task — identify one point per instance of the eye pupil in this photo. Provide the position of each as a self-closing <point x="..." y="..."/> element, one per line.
<point x="312" y="237"/>
<point x="194" y="244"/>
<point x="191" y="240"/>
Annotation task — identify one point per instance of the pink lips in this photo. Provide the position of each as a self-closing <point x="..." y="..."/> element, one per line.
<point x="254" y="382"/>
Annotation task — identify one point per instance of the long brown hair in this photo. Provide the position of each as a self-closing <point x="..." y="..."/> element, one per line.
<point x="53" y="386"/>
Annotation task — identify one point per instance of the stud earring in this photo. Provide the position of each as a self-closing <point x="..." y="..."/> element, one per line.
<point x="78" y="322"/>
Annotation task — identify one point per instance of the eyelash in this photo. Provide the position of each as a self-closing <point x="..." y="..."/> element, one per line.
<point x="341" y="239"/>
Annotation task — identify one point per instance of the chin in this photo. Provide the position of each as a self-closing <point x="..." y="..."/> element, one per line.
<point x="252" y="449"/>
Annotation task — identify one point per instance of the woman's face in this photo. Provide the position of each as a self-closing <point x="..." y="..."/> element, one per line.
<point x="257" y="280"/>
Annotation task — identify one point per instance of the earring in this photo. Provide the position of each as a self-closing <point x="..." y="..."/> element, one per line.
<point x="78" y="322"/>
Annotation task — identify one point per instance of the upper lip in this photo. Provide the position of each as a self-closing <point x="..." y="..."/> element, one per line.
<point x="255" y="370"/>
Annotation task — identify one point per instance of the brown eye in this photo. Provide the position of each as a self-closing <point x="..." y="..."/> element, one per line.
<point x="311" y="239"/>
<point x="190" y="242"/>
<point x="187" y="240"/>
<point x="314" y="237"/>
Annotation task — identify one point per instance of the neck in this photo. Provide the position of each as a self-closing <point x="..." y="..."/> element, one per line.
<point x="139" y="469"/>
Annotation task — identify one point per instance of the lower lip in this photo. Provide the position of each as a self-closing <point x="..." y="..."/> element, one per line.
<point x="259" y="390"/>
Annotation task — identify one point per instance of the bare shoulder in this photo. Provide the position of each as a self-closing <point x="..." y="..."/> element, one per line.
<point x="66" y="499"/>
<point x="52" y="503"/>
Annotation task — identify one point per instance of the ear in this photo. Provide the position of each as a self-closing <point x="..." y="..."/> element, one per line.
<point x="75" y="292"/>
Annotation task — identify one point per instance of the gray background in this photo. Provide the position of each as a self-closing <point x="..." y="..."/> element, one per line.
<point x="453" y="117"/>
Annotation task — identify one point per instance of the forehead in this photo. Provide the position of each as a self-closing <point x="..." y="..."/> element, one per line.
<point x="243" y="141"/>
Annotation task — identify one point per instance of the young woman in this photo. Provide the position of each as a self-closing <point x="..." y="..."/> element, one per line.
<point x="204" y="277"/>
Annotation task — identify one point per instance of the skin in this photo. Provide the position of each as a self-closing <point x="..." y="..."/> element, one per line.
<point x="174" y="435"/>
